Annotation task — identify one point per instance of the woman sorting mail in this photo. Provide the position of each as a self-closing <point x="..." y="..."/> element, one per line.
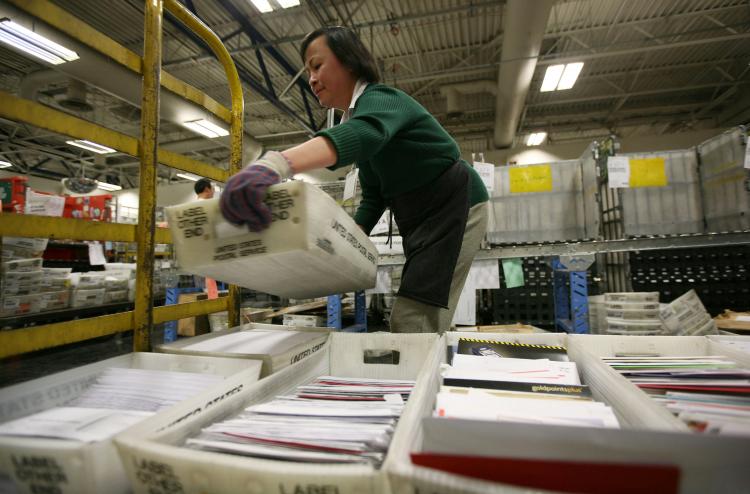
<point x="406" y="161"/>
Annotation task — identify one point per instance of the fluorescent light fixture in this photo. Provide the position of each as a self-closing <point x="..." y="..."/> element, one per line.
<point x="206" y="128"/>
<point x="91" y="146"/>
<point x="536" y="138"/>
<point x="288" y="3"/>
<point x="569" y="76"/>
<point x="106" y="186"/>
<point x="32" y="43"/>
<point x="262" y="5"/>
<point x="5" y="164"/>
<point x="552" y="77"/>
<point x="558" y="77"/>
<point x="186" y="176"/>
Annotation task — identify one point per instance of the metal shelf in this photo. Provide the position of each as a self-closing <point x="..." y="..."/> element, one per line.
<point x="601" y="246"/>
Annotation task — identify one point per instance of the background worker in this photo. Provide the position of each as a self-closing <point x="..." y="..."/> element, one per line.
<point x="204" y="189"/>
<point x="406" y="161"/>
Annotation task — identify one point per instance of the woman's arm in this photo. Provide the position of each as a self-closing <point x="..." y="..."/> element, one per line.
<point x="316" y="153"/>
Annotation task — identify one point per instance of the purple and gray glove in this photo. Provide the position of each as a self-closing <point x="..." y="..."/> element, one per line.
<point x="242" y="199"/>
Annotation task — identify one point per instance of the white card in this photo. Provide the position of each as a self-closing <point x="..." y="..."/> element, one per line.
<point x="96" y="254"/>
<point x="618" y="170"/>
<point x="350" y="184"/>
<point x="487" y="172"/>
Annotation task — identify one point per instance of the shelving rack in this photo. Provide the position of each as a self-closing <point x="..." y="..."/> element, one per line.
<point x="145" y="234"/>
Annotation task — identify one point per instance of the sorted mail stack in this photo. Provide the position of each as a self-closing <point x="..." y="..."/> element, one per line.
<point x="686" y="316"/>
<point x="514" y="382"/>
<point x="312" y="248"/>
<point x="161" y="439"/>
<point x="55" y="431"/>
<point x="331" y="420"/>
<point x="119" y="398"/>
<point x="711" y="394"/>
<point x="55" y="289"/>
<point x="633" y="313"/>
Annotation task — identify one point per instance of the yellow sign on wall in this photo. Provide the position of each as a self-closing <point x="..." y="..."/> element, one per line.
<point x="648" y="172"/>
<point x="536" y="178"/>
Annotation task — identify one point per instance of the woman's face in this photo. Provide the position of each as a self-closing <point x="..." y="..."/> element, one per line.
<point x="332" y="83"/>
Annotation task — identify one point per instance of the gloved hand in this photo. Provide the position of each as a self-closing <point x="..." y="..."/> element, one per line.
<point x="242" y="199"/>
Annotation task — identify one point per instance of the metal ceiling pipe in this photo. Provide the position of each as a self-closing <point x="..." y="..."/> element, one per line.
<point x="453" y="93"/>
<point x="524" y="24"/>
<point x="32" y="83"/>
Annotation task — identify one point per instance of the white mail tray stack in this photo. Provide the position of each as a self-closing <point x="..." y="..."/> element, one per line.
<point x="313" y="247"/>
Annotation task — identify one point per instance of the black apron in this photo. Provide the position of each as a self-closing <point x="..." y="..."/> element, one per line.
<point x="432" y="220"/>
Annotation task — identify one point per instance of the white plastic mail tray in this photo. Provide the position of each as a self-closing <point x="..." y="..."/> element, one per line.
<point x="153" y="452"/>
<point x="273" y="345"/>
<point x="313" y="247"/>
<point x="37" y="464"/>
<point x="702" y="463"/>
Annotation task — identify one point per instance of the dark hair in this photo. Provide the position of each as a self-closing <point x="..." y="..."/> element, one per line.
<point x="348" y="48"/>
<point x="202" y="185"/>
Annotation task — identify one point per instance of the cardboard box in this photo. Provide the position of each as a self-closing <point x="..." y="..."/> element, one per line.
<point x="733" y="321"/>
<point x="70" y="467"/>
<point x="192" y="326"/>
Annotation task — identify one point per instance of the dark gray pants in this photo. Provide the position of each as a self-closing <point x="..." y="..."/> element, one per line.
<point x="410" y="316"/>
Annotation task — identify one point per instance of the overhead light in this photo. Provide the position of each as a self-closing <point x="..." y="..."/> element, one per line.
<point x="262" y="5"/>
<point x="206" y="128"/>
<point x="536" y="138"/>
<point x="5" y="164"/>
<point x="285" y="4"/>
<point x="552" y="77"/>
<point x="187" y="177"/>
<point x="91" y="146"/>
<point x="561" y="76"/>
<point x="569" y="76"/>
<point x="32" y="43"/>
<point x="107" y="186"/>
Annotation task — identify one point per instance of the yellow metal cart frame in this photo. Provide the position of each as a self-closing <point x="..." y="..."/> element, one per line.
<point x="144" y="315"/>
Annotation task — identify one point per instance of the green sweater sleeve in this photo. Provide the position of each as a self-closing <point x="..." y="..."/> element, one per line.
<point x="372" y="205"/>
<point x="380" y="113"/>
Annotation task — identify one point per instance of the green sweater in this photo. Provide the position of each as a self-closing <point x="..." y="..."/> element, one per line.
<point x="398" y="145"/>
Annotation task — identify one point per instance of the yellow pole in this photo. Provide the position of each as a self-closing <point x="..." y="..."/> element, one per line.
<point x="238" y="112"/>
<point x="144" y="301"/>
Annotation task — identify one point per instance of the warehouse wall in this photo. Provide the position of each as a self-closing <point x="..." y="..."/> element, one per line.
<point x="523" y="155"/>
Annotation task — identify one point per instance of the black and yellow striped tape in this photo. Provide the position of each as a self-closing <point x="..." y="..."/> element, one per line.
<point x="513" y="343"/>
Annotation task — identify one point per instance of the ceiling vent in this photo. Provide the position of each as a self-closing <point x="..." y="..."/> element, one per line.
<point x="74" y="98"/>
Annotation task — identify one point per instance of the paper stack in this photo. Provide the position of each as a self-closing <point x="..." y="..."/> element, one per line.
<point x="633" y="313"/>
<point x="709" y="393"/>
<point x="119" y="398"/>
<point x="513" y="382"/>
<point x="687" y="316"/>
<point x="330" y="420"/>
<point x="21" y="279"/>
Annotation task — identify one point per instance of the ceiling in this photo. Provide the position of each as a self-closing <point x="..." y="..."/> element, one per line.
<point x="650" y="67"/>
